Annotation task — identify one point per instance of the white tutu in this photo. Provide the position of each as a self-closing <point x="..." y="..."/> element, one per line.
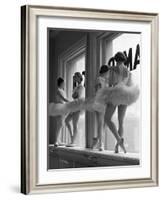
<point x="120" y="94"/>
<point x="56" y="109"/>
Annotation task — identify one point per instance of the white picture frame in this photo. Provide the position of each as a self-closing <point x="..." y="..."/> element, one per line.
<point x="35" y="178"/>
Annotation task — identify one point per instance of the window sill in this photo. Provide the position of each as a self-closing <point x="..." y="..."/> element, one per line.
<point x="66" y="157"/>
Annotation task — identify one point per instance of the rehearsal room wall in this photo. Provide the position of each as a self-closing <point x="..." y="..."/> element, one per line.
<point x="10" y="101"/>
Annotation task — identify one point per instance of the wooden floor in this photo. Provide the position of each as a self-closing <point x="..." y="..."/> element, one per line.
<point x="69" y="157"/>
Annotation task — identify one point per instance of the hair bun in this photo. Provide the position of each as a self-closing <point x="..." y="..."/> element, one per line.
<point x="104" y="69"/>
<point x="79" y="75"/>
<point x="120" y="57"/>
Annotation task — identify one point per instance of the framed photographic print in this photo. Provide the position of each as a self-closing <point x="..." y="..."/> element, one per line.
<point x="89" y="99"/>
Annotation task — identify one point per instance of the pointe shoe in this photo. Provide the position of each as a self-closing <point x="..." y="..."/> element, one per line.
<point x="95" y="143"/>
<point x="59" y="144"/>
<point x="71" y="145"/>
<point x="56" y="144"/>
<point x="101" y="147"/>
<point x="121" y="143"/>
<point x="116" y="150"/>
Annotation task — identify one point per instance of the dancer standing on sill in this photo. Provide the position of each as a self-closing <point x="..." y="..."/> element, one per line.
<point x="60" y="99"/>
<point x="119" y="75"/>
<point x="78" y="93"/>
<point x="103" y="81"/>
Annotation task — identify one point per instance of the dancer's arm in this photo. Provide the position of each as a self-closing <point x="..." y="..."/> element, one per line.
<point x="98" y="84"/>
<point x="126" y="75"/>
<point x="75" y="94"/>
<point x="62" y="97"/>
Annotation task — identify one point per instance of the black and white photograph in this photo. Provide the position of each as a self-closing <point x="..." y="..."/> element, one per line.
<point x="94" y="92"/>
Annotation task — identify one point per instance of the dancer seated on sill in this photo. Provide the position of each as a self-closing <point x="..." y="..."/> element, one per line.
<point x="78" y="93"/>
<point x="123" y="93"/>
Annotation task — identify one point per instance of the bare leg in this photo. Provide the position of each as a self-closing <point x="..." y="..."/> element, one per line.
<point x="101" y="130"/>
<point x="121" y="115"/>
<point x="96" y="139"/>
<point x="110" y="109"/>
<point x="67" y="122"/>
<point x="75" y="120"/>
<point x="60" y="124"/>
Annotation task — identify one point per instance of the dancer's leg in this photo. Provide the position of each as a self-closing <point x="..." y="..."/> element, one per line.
<point x="67" y="122"/>
<point x="75" y="121"/>
<point x="110" y="109"/>
<point x="96" y="139"/>
<point x="121" y="115"/>
<point x="60" y="124"/>
<point x="99" y="109"/>
<point x="101" y="130"/>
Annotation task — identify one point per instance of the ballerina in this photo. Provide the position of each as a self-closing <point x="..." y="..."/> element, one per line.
<point x="122" y="75"/>
<point x="102" y="81"/>
<point x="105" y="80"/>
<point x="79" y="92"/>
<point x="119" y="77"/>
<point x="60" y="99"/>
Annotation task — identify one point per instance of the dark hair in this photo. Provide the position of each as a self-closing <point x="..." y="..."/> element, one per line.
<point x="60" y="81"/>
<point x="83" y="73"/>
<point x="78" y="74"/>
<point x="104" y="69"/>
<point x="120" y="57"/>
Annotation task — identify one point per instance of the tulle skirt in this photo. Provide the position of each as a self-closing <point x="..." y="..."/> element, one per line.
<point x="56" y="109"/>
<point x="118" y="95"/>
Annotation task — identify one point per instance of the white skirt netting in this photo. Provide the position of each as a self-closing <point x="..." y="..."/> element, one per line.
<point x="118" y="95"/>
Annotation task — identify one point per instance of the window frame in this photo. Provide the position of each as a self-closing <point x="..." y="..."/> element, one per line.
<point x="73" y="52"/>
